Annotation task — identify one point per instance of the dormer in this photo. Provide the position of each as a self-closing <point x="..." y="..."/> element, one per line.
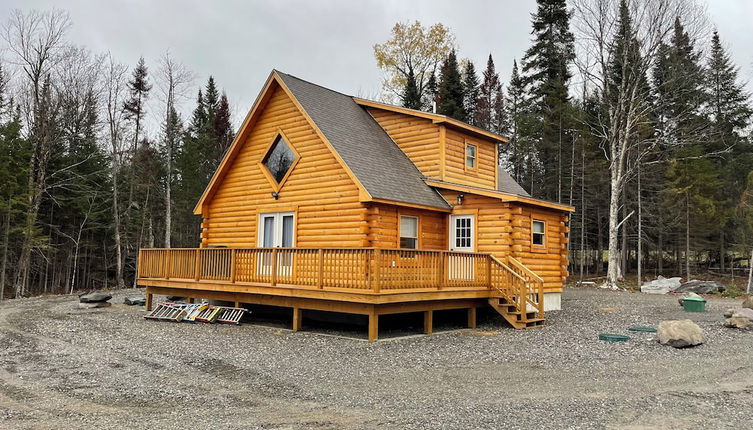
<point x="441" y="147"/>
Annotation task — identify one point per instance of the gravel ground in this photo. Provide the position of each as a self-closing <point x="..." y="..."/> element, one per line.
<point x="61" y="367"/>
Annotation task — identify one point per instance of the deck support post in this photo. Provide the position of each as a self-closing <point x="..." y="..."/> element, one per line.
<point x="148" y="299"/>
<point x="237" y="304"/>
<point x="189" y="300"/>
<point x="373" y="325"/>
<point x="472" y="317"/>
<point x="297" y="318"/>
<point x="428" y="322"/>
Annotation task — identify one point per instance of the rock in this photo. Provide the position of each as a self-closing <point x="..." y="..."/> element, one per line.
<point x="679" y="333"/>
<point x="701" y="287"/>
<point x="135" y="300"/>
<point x="744" y="313"/>
<point x="661" y="285"/>
<point x="738" y="322"/>
<point x="92" y="305"/>
<point x="686" y="296"/>
<point x="728" y="313"/>
<point x="94" y="297"/>
<point x="748" y="303"/>
<point x="175" y="298"/>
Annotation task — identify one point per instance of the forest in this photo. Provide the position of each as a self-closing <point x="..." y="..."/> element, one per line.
<point x="632" y="112"/>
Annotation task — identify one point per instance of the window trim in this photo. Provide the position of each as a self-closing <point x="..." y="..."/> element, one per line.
<point x="277" y="215"/>
<point x="276" y="187"/>
<point x="400" y="231"/>
<point x="542" y="246"/>
<point x="475" y="157"/>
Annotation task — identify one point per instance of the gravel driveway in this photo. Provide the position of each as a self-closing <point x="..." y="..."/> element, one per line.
<point x="61" y="367"/>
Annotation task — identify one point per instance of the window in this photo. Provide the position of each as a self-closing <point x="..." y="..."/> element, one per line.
<point x="279" y="159"/>
<point x="470" y="156"/>
<point x="538" y="231"/>
<point x="408" y="232"/>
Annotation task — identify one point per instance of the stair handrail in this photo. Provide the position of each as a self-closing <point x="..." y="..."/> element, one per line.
<point x="537" y="289"/>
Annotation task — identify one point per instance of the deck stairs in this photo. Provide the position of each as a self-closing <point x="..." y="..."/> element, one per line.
<point x="517" y="294"/>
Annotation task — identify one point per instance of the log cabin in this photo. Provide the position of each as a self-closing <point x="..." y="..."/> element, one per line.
<point x="330" y="202"/>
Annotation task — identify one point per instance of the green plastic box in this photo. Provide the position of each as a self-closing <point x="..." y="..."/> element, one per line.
<point x="694" y="304"/>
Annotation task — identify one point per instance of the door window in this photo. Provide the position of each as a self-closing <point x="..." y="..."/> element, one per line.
<point x="461" y="233"/>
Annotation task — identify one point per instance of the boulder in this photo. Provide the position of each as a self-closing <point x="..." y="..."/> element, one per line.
<point x="748" y="303"/>
<point x="728" y="313"/>
<point x="92" y="305"/>
<point x="660" y="285"/>
<point x="94" y="297"/>
<point x="679" y="333"/>
<point x="738" y="322"/>
<point x="135" y="300"/>
<point x="700" y="287"/>
<point x="744" y="313"/>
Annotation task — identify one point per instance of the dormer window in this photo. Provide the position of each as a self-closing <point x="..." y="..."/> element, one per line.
<point x="470" y="156"/>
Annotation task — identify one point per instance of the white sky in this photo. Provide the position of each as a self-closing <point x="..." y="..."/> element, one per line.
<point x="328" y="42"/>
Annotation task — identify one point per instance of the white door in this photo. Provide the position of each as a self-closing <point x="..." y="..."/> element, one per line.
<point x="462" y="237"/>
<point x="276" y="231"/>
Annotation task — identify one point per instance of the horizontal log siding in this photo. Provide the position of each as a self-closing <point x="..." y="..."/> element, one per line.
<point x="384" y="227"/>
<point x="550" y="262"/>
<point x="328" y="211"/>
<point x="504" y="229"/>
<point x="485" y="174"/>
<point x="417" y="137"/>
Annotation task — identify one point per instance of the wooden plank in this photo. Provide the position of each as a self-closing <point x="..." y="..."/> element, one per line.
<point x="373" y="325"/>
<point x="472" y="317"/>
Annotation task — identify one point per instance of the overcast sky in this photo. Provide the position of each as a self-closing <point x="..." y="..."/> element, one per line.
<point x="328" y="42"/>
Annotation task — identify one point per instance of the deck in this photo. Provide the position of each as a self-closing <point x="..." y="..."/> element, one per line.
<point x="367" y="281"/>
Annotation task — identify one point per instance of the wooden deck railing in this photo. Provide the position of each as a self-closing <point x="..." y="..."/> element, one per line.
<point x="350" y="269"/>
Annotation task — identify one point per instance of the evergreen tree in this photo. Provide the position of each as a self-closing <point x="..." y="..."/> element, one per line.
<point x="546" y="67"/>
<point x="487" y="100"/>
<point x="430" y="98"/>
<point x="450" y="91"/>
<point x="470" y="92"/>
<point x="411" y="98"/>
<point x="223" y="129"/>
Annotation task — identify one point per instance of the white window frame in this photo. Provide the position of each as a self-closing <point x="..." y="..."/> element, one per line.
<point x="277" y="234"/>
<point x="543" y="234"/>
<point x="400" y="231"/>
<point x="474" y="157"/>
<point x="453" y="232"/>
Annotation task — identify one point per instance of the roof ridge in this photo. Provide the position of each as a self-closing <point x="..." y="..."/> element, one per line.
<point x="312" y="83"/>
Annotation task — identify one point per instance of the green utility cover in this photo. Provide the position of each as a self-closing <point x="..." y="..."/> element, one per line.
<point x="613" y="337"/>
<point x="643" y="329"/>
<point x="694" y="304"/>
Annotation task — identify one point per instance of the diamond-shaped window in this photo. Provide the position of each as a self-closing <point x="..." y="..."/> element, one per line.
<point x="279" y="160"/>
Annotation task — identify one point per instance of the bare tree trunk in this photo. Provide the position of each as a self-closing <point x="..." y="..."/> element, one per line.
<point x="750" y="272"/>
<point x="613" y="267"/>
<point x="640" y="231"/>
<point x="4" y="263"/>
<point x="687" y="236"/>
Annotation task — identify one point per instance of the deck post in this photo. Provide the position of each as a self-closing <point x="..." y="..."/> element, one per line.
<point x="168" y="264"/>
<point x="232" y="266"/>
<point x="297" y="318"/>
<point x="320" y="280"/>
<point x="377" y="256"/>
<point x="472" y="317"/>
<point x="442" y="269"/>
<point x="197" y="268"/>
<point x="148" y="299"/>
<point x="237" y="304"/>
<point x="373" y="325"/>
<point x="428" y="322"/>
<point x="138" y="265"/>
<point x="189" y="300"/>
<point x="274" y="267"/>
<point x="489" y="271"/>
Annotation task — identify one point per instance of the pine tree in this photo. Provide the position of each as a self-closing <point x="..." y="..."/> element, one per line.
<point x="517" y="118"/>
<point x="490" y="86"/>
<point x="411" y="97"/>
<point x="223" y="129"/>
<point x="450" y="91"/>
<point x="546" y="67"/>
<point x="470" y="92"/>
<point x="430" y="98"/>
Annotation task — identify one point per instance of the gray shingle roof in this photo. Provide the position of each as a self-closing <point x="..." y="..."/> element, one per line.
<point x="507" y="184"/>
<point x="373" y="157"/>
